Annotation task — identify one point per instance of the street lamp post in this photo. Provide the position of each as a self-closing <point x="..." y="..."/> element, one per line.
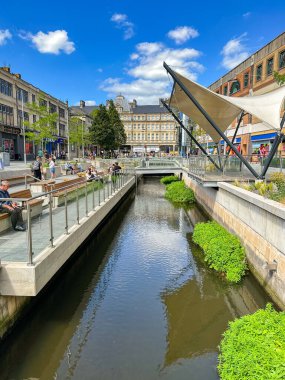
<point x="23" y="126"/>
<point x="83" y="121"/>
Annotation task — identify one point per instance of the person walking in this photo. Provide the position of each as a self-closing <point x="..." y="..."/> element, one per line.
<point x="38" y="168"/>
<point x="51" y="167"/>
<point x="11" y="208"/>
<point x="147" y="161"/>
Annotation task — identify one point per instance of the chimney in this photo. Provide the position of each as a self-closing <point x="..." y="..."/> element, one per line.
<point x="17" y="76"/>
<point x="6" y="68"/>
<point x="82" y="104"/>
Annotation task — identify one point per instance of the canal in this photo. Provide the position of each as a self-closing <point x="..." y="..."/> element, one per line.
<point x="137" y="302"/>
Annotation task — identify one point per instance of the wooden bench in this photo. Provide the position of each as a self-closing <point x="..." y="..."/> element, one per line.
<point x="61" y="188"/>
<point x="36" y="208"/>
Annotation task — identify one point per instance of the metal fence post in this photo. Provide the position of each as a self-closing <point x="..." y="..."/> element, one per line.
<point x="108" y="190"/>
<point x="50" y="221"/>
<point x="104" y="197"/>
<point x="93" y="195"/>
<point x="77" y="205"/>
<point x="86" y="200"/>
<point x="99" y="194"/>
<point x="30" y="242"/>
<point x="65" y="210"/>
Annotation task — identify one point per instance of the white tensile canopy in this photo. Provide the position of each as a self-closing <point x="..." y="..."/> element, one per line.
<point x="224" y="109"/>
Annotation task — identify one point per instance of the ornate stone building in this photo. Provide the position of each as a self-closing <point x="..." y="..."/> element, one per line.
<point x="149" y="128"/>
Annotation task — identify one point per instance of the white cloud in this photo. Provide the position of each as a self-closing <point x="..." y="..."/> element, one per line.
<point x="87" y="103"/>
<point x="51" y="42"/>
<point x="246" y="15"/>
<point x="5" y="35"/>
<point x="149" y="80"/>
<point x="90" y="102"/>
<point x="182" y="34"/>
<point x="119" y="17"/>
<point x="234" y="52"/>
<point x="121" y="21"/>
<point x="100" y="70"/>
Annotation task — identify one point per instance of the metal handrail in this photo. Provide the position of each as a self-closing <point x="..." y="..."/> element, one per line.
<point x="29" y="175"/>
<point x="49" y="194"/>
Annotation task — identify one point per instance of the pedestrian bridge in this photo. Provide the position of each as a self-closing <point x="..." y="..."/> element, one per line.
<point x="159" y="166"/>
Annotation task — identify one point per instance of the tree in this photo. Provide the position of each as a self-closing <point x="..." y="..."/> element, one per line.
<point x="279" y="78"/>
<point x="101" y="131"/>
<point x="45" y="127"/>
<point x="77" y="133"/>
<point x="117" y="125"/>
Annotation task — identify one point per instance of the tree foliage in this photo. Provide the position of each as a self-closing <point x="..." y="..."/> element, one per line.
<point x="107" y="129"/>
<point x="43" y="128"/>
<point x="78" y="133"/>
<point x="279" y="78"/>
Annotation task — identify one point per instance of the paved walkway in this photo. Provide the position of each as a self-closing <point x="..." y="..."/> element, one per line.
<point x="13" y="244"/>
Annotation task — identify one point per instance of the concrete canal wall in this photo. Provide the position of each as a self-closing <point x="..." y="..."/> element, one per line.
<point x="22" y="280"/>
<point x="258" y="222"/>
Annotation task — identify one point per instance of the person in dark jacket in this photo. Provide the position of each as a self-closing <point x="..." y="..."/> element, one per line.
<point x="11" y="208"/>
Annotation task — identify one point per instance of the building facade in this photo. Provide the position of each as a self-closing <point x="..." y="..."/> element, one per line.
<point x="254" y="76"/>
<point x="15" y="97"/>
<point x="149" y="128"/>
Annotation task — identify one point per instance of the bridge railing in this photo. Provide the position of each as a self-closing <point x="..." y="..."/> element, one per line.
<point x="231" y="166"/>
<point x="73" y="204"/>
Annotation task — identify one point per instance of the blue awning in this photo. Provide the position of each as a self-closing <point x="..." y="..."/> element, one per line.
<point x="265" y="136"/>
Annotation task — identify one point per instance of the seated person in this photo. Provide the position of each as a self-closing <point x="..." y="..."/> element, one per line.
<point x="11" y="208"/>
<point x="68" y="167"/>
<point x="91" y="174"/>
<point x="77" y="168"/>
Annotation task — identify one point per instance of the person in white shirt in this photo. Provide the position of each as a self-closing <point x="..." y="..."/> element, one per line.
<point x="51" y="168"/>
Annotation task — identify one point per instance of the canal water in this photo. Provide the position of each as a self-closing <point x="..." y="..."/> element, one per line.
<point x="137" y="302"/>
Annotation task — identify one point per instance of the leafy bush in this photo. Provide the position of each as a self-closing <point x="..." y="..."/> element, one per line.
<point x="253" y="347"/>
<point x="169" y="179"/>
<point x="177" y="192"/>
<point x="223" y="251"/>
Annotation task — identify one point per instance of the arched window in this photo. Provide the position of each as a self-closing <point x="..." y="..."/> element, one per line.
<point x="235" y="87"/>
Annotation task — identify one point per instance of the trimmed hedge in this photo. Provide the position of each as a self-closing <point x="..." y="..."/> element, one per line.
<point x="169" y="179"/>
<point x="223" y="251"/>
<point x="179" y="193"/>
<point x="253" y="347"/>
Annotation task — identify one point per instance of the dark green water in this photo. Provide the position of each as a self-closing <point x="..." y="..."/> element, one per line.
<point x="137" y="303"/>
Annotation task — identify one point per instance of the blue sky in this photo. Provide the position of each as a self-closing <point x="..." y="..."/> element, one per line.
<point x="94" y="50"/>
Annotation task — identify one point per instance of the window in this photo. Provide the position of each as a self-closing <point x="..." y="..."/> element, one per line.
<point x="259" y="73"/>
<point x="6" y="88"/>
<point x="34" y="118"/>
<point x="156" y="136"/>
<point x="22" y="93"/>
<point x="225" y="92"/>
<point x="52" y="108"/>
<point x="235" y="87"/>
<point x="282" y="59"/>
<point x="62" y="130"/>
<point x="269" y="66"/>
<point x="61" y="112"/>
<point x="26" y="117"/>
<point x="43" y="103"/>
<point x="6" y="115"/>
<point x="152" y="136"/>
<point x="245" y="79"/>
<point x="33" y="98"/>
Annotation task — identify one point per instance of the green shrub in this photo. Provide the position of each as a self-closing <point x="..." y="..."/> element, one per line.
<point x="177" y="192"/>
<point x="223" y="251"/>
<point x="253" y="347"/>
<point x="169" y="179"/>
